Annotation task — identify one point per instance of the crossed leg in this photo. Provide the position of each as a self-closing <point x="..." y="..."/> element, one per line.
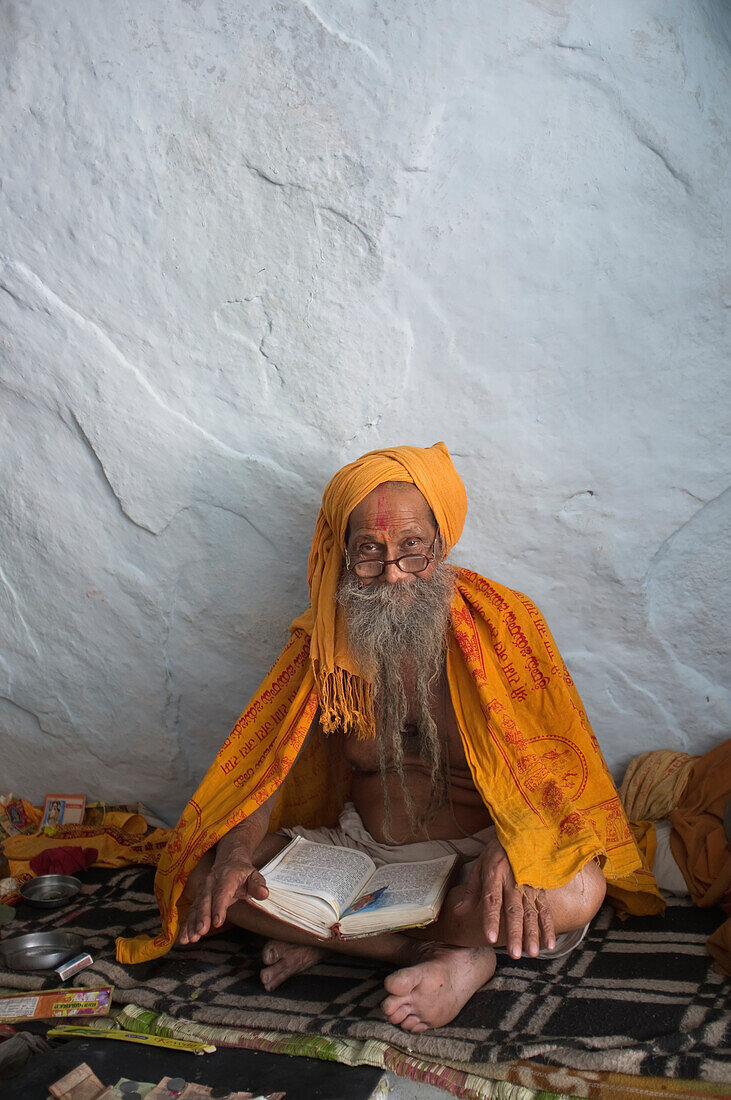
<point x="432" y="986"/>
<point x="434" y="980"/>
<point x="439" y="968"/>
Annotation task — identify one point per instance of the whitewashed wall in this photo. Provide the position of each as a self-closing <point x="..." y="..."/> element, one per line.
<point x="243" y="243"/>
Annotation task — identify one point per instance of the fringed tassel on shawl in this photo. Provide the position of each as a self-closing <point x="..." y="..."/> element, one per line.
<point x="346" y="703"/>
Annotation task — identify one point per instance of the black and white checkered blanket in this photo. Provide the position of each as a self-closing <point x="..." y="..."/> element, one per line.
<point x="638" y="997"/>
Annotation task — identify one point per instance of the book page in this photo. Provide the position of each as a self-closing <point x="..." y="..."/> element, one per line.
<point x="336" y="874"/>
<point x="412" y="886"/>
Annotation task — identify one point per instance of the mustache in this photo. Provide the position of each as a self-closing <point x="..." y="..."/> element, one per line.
<point x="399" y="620"/>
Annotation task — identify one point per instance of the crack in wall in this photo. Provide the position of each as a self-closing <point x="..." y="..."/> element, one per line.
<point x="694" y="680"/>
<point x="198" y="464"/>
<point x="25" y="710"/>
<point x="580" y="493"/>
<point x="687" y="492"/>
<point x="368" y="426"/>
<point x="359" y="228"/>
<point x="100" y="466"/>
<point x="69" y="740"/>
<point x="661" y="550"/>
<point x="16" y="297"/>
<point x="637" y="127"/>
<point x="344" y="39"/>
<point x="670" y="719"/>
<point x="268" y="332"/>
<point x="16" y="605"/>
<point x="287" y="184"/>
<point x="50" y="301"/>
<point x="653" y="147"/>
<point x="231" y="511"/>
<point x="275" y="182"/>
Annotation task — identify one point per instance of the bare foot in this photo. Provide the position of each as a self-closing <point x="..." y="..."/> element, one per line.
<point x="285" y="959"/>
<point x="438" y="986"/>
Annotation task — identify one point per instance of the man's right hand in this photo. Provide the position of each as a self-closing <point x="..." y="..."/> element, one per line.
<point x="521" y="911"/>
<point x="232" y="878"/>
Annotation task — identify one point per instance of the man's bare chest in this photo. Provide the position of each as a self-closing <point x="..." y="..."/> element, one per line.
<point x="364" y="756"/>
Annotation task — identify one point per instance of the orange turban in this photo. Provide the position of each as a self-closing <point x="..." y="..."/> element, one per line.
<point x="345" y="698"/>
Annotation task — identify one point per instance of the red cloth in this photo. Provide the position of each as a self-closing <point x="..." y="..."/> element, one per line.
<point x="63" y="861"/>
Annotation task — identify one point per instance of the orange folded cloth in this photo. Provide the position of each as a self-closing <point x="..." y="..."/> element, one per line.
<point x="114" y="847"/>
<point x="633" y="901"/>
<point x="654" y="783"/>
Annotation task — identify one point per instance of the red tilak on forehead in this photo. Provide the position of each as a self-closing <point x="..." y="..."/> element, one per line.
<point x="383" y="512"/>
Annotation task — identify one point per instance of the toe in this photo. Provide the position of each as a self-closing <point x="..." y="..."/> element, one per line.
<point x="412" y="1023"/>
<point x="397" y="1012"/>
<point x="402" y="982"/>
<point x="392" y="1004"/>
<point x="273" y="976"/>
<point x="269" y="954"/>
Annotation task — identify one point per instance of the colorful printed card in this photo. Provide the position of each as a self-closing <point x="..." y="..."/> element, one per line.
<point x="49" y="1004"/>
<point x="63" y="809"/>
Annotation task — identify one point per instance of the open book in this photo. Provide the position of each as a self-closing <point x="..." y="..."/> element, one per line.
<point x="338" y="893"/>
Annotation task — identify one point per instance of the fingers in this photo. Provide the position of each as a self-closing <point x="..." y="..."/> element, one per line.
<point x="520" y="913"/>
<point x="486" y="888"/>
<point x="525" y="917"/>
<point x="233" y="884"/>
<point x="538" y="928"/>
<point x="545" y="921"/>
<point x="493" y="903"/>
<point x="222" y="898"/>
<point x="514" y="919"/>
<point x="256" y="886"/>
<point x="472" y="894"/>
<point x="198" y="920"/>
<point x="531" y="939"/>
<point x="490" y="880"/>
<point x="218" y="892"/>
<point x="487" y="893"/>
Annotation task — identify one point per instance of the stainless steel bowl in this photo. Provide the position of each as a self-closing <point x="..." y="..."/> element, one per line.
<point x="50" y="891"/>
<point x="40" y="950"/>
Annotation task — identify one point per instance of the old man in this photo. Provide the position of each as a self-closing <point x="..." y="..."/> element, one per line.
<point x="418" y="709"/>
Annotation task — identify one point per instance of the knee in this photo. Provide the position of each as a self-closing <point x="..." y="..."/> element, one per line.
<point x="590" y="888"/>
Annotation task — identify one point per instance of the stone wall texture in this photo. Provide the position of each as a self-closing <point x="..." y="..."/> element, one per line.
<point x="242" y="243"/>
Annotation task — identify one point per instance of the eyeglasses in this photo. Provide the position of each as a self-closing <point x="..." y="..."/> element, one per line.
<point x="409" y="563"/>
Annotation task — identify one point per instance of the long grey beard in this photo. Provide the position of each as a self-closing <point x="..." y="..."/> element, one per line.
<point x="395" y="629"/>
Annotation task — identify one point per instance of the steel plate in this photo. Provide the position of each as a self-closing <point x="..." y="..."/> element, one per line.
<point x="40" y="950"/>
<point x="50" y="891"/>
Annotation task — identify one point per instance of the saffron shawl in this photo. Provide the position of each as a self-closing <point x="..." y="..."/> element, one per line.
<point x="532" y="753"/>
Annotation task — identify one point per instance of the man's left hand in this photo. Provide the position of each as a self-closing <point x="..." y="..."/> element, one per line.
<point x="526" y="916"/>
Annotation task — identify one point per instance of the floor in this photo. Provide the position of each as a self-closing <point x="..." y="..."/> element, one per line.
<point x="301" y="1078"/>
<point x="399" y="1088"/>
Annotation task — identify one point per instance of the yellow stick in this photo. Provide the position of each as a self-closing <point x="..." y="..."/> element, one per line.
<point x="65" y="1031"/>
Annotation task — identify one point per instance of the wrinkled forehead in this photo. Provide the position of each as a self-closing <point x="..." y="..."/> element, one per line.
<point x="391" y="504"/>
